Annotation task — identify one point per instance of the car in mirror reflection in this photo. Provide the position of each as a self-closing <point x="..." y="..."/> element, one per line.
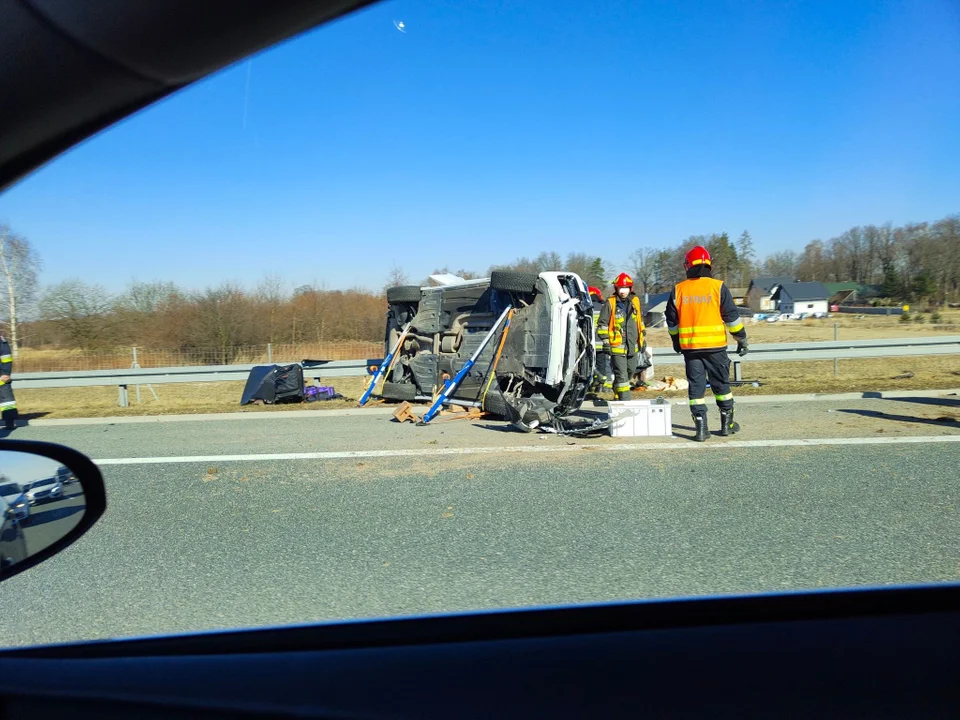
<point x="16" y="497"/>
<point x="45" y="490"/>
<point x="13" y="544"/>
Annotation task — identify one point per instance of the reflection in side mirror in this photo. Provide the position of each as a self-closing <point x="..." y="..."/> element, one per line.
<point x="41" y="501"/>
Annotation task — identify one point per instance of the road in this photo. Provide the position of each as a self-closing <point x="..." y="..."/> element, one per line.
<point x="272" y="520"/>
<point x="50" y="521"/>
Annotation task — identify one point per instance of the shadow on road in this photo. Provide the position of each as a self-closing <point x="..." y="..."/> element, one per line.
<point x="938" y="401"/>
<point x="53" y="515"/>
<point x="877" y="415"/>
<point x="23" y="419"/>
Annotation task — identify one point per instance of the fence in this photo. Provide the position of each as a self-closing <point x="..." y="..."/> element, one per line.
<point x="31" y="360"/>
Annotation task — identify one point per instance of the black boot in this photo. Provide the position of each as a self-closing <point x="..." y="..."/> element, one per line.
<point x="700" y="422"/>
<point x="727" y="424"/>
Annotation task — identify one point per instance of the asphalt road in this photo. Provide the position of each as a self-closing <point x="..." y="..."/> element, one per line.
<point x="199" y="544"/>
<point x="50" y="521"/>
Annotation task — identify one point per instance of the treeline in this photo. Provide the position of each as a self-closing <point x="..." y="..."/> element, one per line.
<point x="161" y="315"/>
<point x="918" y="261"/>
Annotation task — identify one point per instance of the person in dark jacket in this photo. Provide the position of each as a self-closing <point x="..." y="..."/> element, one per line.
<point x="8" y="403"/>
<point x="699" y="314"/>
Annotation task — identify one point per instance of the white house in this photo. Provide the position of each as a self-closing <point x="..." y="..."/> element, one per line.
<point x="808" y="297"/>
<point x="759" y="295"/>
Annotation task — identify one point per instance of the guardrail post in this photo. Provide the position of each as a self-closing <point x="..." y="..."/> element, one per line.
<point x="124" y="399"/>
<point x="136" y="365"/>
<point x="737" y="371"/>
<point x="836" y="367"/>
<point x="836" y="331"/>
<point x="269" y="353"/>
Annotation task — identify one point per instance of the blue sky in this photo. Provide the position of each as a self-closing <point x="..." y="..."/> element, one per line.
<point x="23" y="468"/>
<point x="492" y="129"/>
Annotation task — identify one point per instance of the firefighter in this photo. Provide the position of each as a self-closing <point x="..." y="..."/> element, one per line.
<point x="8" y="404"/>
<point x="625" y="336"/>
<point x="603" y="374"/>
<point x="699" y="313"/>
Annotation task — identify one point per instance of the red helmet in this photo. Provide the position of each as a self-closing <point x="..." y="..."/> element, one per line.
<point x="623" y="280"/>
<point x="697" y="256"/>
<point x="595" y="291"/>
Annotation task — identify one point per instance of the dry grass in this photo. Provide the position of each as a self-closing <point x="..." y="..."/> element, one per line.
<point x="175" y="399"/>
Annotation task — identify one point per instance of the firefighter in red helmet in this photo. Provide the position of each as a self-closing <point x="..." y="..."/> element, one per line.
<point x="699" y="314"/>
<point x="622" y="331"/>
<point x="603" y="373"/>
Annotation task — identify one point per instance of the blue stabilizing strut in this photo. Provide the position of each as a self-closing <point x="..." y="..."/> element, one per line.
<point x="452" y="386"/>
<point x="383" y="367"/>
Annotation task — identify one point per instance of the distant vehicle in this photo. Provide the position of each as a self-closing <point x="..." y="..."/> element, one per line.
<point x="774" y="318"/>
<point x="820" y="315"/>
<point x="13" y="545"/>
<point x="65" y="475"/>
<point x="548" y="352"/>
<point x="14" y="495"/>
<point x="46" y="490"/>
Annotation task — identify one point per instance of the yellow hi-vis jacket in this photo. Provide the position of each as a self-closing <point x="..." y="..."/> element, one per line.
<point x="704" y="313"/>
<point x="617" y="329"/>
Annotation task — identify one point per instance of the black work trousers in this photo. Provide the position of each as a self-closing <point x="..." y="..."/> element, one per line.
<point x="704" y="365"/>
<point x="8" y="405"/>
<point x="624" y="366"/>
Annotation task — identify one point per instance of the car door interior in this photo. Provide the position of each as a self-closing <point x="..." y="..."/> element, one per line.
<point x="885" y="653"/>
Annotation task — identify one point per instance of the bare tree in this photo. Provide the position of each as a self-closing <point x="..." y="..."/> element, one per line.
<point x="82" y="314"/>
<point x="643" y="266"/>
<point x="19" y="265"/>
<point x="396" y="277"/>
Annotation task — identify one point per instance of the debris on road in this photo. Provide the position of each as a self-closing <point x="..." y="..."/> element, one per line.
<point x="666" y="384"/>
<point x="404" y="413"/>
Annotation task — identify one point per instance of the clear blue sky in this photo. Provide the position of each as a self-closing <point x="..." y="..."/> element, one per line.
<point x="495" y="129"/>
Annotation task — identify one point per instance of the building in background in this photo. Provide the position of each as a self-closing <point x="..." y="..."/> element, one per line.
<point x="759" y="295"/>
<point x="797" y="298"/>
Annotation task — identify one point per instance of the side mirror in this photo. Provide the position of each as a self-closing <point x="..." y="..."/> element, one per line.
<point x="50" y="495"/>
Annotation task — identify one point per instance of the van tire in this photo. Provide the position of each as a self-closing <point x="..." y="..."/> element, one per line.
<point x="399" y="391"/>
<point x="517" y="282"/>
<point x="403" y="294"/>
<point x="494" y="403"/>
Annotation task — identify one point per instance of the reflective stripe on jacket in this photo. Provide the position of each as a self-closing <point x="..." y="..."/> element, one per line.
<point x="700" y="325"/>
<point x="616" y="326"/>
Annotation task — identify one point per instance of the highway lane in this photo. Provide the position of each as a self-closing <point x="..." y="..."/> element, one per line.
<point x="275" y="542"/>
<point x="50" y="521"/>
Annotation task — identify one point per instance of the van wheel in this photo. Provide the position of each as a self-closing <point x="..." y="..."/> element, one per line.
<point x="518" y="282"/>
<point x="403" y="294"/>
<point x="494" y="403"/>
<point x="399" y="391"/>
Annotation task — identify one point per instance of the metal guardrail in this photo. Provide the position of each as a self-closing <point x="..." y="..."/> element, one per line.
<point x="160" y="376"/>
<point x="765" y="352"/>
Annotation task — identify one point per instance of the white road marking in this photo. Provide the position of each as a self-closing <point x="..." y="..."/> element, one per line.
<point x="636" y="446"/>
